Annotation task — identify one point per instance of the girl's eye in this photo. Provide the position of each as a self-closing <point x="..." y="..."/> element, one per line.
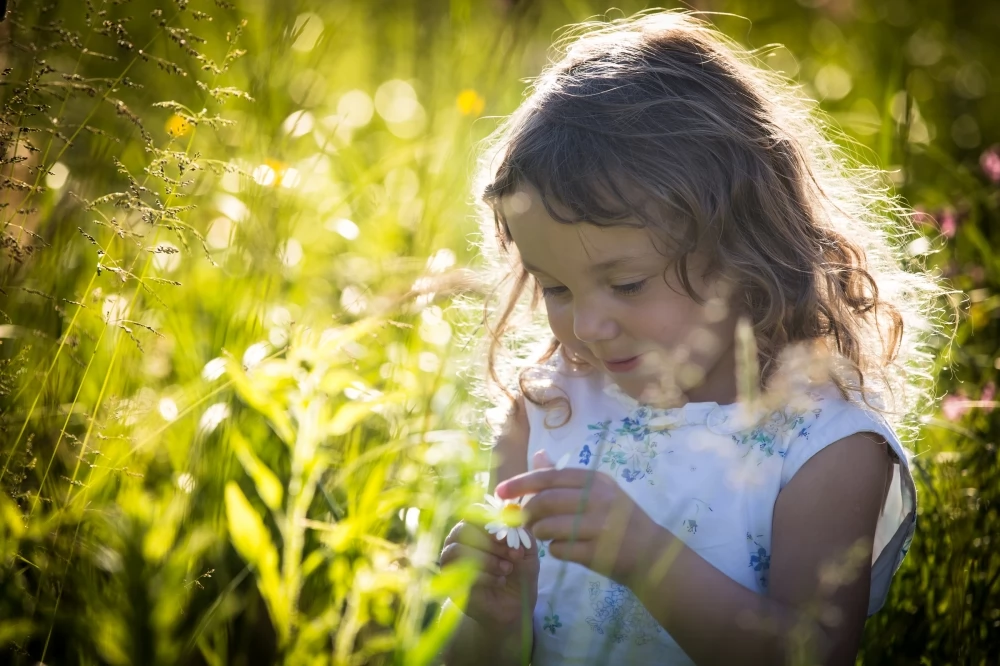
<point x="630" y="289"/>
<point x="622" y="289"/>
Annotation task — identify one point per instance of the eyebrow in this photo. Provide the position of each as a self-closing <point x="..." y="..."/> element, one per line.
<point x="601" y="267"/>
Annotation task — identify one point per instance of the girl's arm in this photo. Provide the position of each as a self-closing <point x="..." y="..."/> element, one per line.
<point x="823" y="530"/>
<point x="475" y="645"/>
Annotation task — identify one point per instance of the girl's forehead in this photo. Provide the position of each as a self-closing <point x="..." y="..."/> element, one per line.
<point x="543" y="241"/>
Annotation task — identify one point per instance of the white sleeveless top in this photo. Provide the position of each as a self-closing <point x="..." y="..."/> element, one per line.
<point x="710" y="474"/>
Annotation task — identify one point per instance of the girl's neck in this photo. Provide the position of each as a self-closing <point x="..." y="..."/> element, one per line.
<point x="719" y="385"/>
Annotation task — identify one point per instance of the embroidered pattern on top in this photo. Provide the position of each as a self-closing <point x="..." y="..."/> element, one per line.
<point x="620" y="615"/>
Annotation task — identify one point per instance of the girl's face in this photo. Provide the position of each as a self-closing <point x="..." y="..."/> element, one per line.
<point x="612" y="302"/>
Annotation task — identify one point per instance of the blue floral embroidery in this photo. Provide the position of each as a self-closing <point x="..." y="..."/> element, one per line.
<point x="631" y="475"/>
<point x="760" y="561"/>
<point x="768" y="436"/>
<point x="620" y="615"/>
<point x="690" y="524"/>
<point x="602" y="432"/>
<point x="551" y="623"/>
<point x="627" y="450"/>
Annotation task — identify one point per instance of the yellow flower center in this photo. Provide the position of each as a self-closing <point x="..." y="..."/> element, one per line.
<point x="512" y="515"/>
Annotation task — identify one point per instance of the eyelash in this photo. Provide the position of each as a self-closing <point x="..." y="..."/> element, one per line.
<point x="630" y="289"/>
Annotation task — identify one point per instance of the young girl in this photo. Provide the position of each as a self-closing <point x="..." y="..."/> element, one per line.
<point x="733" y="349"/>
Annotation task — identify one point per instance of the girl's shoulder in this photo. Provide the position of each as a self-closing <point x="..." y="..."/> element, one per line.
<point x="821" y="416"/>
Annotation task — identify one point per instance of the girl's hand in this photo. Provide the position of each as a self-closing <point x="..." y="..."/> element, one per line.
<point x="508" y="577"/>
<point x="590" y="520"/>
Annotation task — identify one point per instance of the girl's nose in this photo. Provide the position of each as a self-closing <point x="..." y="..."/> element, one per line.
<point x="593" y="323"/>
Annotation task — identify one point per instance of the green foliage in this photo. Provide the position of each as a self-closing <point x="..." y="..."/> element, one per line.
<point x="235" y="421"/>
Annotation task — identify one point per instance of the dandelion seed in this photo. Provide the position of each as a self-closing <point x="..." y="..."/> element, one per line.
<point x="213" y="369"/>
<point x="506" y="521"/>
<point x="212" y="417"/>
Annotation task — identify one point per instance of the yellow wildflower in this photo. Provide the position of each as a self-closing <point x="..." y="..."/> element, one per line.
<point x="470" y="103"/>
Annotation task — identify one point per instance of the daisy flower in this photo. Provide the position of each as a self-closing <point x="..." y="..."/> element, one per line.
<point x="506" y="521"/>
<point x="506" y="517"/>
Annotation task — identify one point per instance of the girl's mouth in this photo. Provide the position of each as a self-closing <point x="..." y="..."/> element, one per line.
<point x="624" y="365"/>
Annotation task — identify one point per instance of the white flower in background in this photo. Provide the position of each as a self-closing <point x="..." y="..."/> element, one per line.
<point x="254" y="354"/>
<point x="213" y="369"/>
<point x="506" y="521"/>
<point x="212" y="417"/>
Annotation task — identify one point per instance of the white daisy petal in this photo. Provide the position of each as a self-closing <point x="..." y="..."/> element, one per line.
<point x="525" y="538"/>
<point x="512" y="538"/>
<point x="501" y="533"/>
<point x="494" y="527"/>
<point x="495" y="502"/>
<point x="563" y="461"/>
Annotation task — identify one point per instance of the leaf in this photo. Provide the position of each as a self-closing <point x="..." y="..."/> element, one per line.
<point x="435" y="637"/>
<point x="268" y="486"/>
<point x="252" y="541"/>
<point x="261" y="401"/>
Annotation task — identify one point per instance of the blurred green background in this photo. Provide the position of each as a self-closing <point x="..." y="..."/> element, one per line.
<point x="237" y="317"/>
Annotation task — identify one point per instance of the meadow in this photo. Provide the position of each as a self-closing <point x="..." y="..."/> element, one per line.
<point x="239" y="311"/>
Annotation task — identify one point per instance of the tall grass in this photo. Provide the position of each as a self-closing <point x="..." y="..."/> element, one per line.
<point x="234" y="398"/>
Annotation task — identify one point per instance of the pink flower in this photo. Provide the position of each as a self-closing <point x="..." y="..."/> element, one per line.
<point x="954" y="406"/>
<point x="989" y="162"/>
<point x="949" y="223"/>
<point x="989" y="392"/>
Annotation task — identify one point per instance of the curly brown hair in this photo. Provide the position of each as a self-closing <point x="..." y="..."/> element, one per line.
<point x="661" y="121"/>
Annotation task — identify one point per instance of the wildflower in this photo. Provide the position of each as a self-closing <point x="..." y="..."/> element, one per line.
<point x="989" y="162"/>
<point x="470" y="103"/>
<point x="178" y="126"/>
<point x="954" y="406"/>
<point x="507" y="520"/>
<point x="949" y="223"/>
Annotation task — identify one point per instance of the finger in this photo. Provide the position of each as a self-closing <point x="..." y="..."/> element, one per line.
<point x="477" y="537"/>
<point x="554" y="502"/>
<point x="566" y="528"/>
<point x="542" y="479"/>
<point x="488" y="564"/>
<point x="541" y="460"/>
<point x="580" y="552"/>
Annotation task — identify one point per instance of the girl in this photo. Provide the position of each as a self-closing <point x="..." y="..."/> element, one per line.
<point x="733" y="349"/>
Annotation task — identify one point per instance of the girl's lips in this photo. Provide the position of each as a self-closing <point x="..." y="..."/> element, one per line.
<point x="622" y="366"/>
